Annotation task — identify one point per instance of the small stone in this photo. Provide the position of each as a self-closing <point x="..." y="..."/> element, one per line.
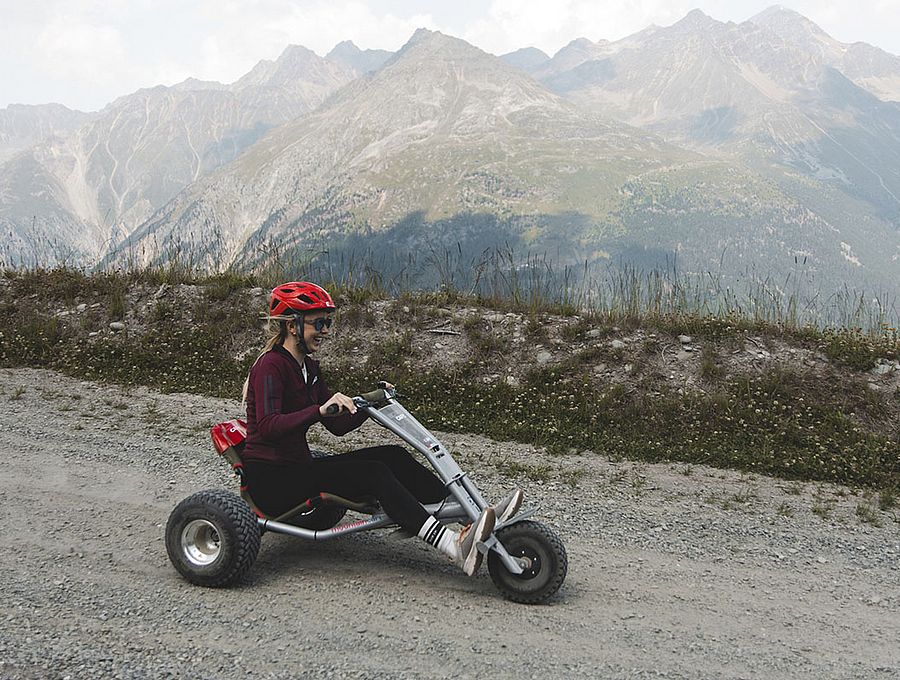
<point x="617" y="344"/>
<point x="544" y="357"/>
<point x="594" y="333"/>
<point x="883" y="368"/>
<point x="685" y="339"/>
<point x="117" y="326"/>
<point x="512" y="381"/>
<point x="629" y="368"/>
<point x="256" y="292"/>
<point x="821" y="560"/>
<point x="599" y="368"/>
<point x="81" y="307"/>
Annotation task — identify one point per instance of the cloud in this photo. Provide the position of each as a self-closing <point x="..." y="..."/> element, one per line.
<point x="71" y="49"/>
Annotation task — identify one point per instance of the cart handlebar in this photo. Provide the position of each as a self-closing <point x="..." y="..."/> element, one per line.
<point x="373" y="397"/>
<point x="382" y="394"/>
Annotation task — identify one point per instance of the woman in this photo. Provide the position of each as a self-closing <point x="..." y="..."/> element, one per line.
<point x="286" y="394"/>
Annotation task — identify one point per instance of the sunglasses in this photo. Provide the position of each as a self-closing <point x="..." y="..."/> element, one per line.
<point x="320" y="323"/>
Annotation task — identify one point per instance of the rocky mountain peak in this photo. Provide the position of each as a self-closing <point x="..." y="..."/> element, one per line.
<point x="343" y="47"/>
<point x="433" y="67"/>
<point x="869" y="67"/>
<point x="576" y="52"/>
<point x="579" y="44"/>
<point x="696" y="19"/>
<point x="426" y="48"/>
<point x="780" y="14"/>
<point x="195" y="84"/>
<point x="295" y="54"/>
<point x="794" y="28"/>
<point x="529" y="59"/>
<point x="347" y="54"/>
<point x="420" y="35"/>
<point x="294" y="63"/>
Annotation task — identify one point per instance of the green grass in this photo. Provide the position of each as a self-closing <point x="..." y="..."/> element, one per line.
<point x="824" y="426"/>
<point x="765" y="424"/>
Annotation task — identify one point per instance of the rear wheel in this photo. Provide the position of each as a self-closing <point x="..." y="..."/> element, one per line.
<point x="212" y="538"/>
<point x="544" y="555"/>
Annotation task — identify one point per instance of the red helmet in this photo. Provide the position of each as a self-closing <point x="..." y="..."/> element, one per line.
<point x="298" y="297"/>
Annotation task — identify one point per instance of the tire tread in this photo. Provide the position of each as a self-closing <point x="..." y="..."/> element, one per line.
<point x="501" y="577"/>
<point x="237" y="519"/>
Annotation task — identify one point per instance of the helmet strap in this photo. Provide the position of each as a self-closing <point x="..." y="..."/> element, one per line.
<point x="300" y="330"/>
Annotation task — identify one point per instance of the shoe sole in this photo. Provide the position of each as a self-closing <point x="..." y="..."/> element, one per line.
<point x="512" y="508"/>
<point x="483" y="529"/>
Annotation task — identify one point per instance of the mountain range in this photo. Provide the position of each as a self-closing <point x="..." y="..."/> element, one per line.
<point x="764" y="147"/>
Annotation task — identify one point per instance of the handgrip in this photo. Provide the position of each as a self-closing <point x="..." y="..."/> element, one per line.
<point x="332" y="409"/>
<point x="375" y="396"/>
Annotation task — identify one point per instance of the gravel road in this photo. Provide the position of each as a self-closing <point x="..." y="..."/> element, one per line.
<point x="674" y="571"/>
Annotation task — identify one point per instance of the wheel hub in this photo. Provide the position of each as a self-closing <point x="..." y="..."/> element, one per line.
<point x="530" y="561"/>
<point x="200" y="542"/>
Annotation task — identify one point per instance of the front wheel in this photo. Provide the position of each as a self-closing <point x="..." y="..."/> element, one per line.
<point x="212" y="538"/>
<point x="544" y="554"/>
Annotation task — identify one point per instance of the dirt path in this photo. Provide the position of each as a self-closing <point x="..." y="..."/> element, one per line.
<point x="675" y="572"/>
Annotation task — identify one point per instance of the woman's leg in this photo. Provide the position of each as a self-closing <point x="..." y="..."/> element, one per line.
<point x="276" y="489"/>
<point x="353" y="477"/>
<point x="422" y="482"/>
<point x="356" y="477"/>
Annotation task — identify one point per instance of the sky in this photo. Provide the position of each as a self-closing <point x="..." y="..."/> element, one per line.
<point x="85" y="53"/>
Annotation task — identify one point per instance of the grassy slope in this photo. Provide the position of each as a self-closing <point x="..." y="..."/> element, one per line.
<point x="793" y="402"/>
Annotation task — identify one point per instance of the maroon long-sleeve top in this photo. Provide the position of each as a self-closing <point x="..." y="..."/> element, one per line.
<point x="281" y="407"/>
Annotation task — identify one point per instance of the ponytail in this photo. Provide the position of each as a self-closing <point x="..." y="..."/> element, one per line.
<point x="277" y="331"/>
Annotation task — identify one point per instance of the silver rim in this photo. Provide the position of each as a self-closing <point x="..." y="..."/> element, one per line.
<point x="200" y="542"/>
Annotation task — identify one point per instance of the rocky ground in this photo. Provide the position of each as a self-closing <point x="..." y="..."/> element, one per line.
<point x="674" y="571"/>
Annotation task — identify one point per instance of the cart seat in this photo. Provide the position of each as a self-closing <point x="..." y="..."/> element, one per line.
<point x="229" y="439"/>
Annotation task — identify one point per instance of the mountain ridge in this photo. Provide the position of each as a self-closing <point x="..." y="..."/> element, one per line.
<point x="686" y="141"/>
<point x="129" y="159"/>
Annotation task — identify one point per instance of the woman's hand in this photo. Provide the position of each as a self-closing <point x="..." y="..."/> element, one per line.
<point x="342" y="401"/>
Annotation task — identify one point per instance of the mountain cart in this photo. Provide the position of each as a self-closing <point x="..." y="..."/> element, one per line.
<point x="213" y="536"/>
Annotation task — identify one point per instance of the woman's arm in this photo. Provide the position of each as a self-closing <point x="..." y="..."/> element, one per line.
<point x="344" y="421"/>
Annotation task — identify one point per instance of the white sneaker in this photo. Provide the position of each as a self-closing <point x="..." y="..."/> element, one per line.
<point x="509" y="506"/>
<point x="468" y="557"/>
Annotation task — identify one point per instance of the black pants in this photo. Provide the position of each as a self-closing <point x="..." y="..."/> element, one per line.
<point x="389" y="473"/>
